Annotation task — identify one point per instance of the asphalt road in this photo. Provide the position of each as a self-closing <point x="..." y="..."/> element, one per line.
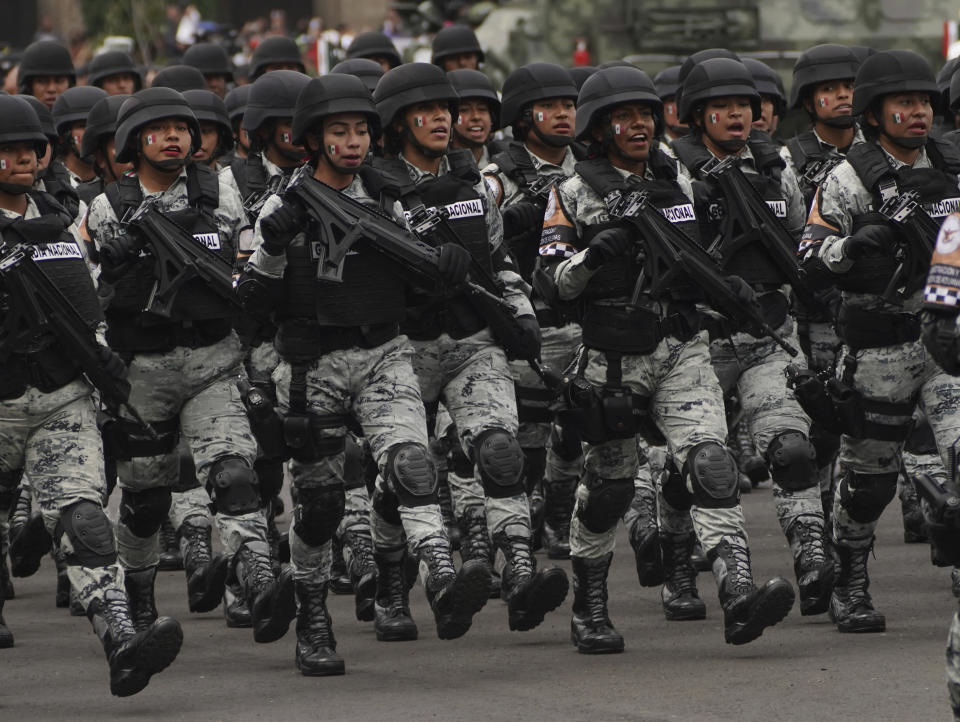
<point x="801" y="669"/>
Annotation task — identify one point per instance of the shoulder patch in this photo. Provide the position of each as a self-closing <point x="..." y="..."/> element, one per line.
<point x="559" y="234"/>
<point x="494" y="186"/>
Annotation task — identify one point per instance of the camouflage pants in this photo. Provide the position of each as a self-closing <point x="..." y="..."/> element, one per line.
<point x="898" y="374"/>
<point x="953" y="664"/>
<point x="472" y="378"/>
<point x="198" y="387"/>
<point x="754" y="368"/>
<point x="54" y="438"/>
<point x="687" y="405"/>
<point x="378" y="388"/>
<point x="824" y="346"/>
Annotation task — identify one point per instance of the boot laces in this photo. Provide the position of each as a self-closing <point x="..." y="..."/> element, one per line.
<point x="681" y="576"/>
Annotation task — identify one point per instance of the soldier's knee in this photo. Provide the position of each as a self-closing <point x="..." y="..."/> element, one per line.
<point x="675" y="491"/>
<point x="233" y="486"/>
<point x="91" y="536"/>
<point x="793" y="461"/>
<point x="534" y="467"/>
<point x="318" y="513"/>
<point x="411" y="474"/>
<point x="865" y="496"/>
<point x="607" y="500"/>
<point x="499" y="461"/>
<point x="269" y="476"/>
<point x="142" y="512"/>
<point x="713" y="476"/>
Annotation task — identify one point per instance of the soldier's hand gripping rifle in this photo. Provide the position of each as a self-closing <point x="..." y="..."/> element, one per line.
<point x="920" y="231"/>
<point x="344" y="221"/>
<point x="669" y="255"/>
<point x="180" y="259"/>
<point x="37" y="306"/>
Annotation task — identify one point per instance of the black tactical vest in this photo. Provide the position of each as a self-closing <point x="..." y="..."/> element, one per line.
<point x="939" y="195"/>
<point x="56" y="179"/>
<point x="88" y="190"/>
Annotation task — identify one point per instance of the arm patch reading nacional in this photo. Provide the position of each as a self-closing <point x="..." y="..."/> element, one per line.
<point x="816" y="230"/>
<point x="558" y="237"/>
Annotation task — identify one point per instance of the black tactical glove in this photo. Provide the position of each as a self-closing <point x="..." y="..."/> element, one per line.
<point x="607" y="245"/>
<point x="453" y="264"/>
<point x="258" y="294"/>
<point x="281" y="225"/>
<point x="116" y="256"/>
<point x="527" y="345"/>
<point x="872" y="240"/>
<point x="111" y="363"/>
<point x="520" y="221"/>
<point x="741" y="289"/>
<point x="942" y="339"/>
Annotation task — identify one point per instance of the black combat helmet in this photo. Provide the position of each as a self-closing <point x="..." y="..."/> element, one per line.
<point x="944" y="77"/>
<point x="667" y="82"/>
<point x="768" y="83"/>
<point x="716" y="78"/>
<point x="615" y="86"/>
<point x="455" y="40"/>
<point x="73" y="105"/>
<point x="275" y="50"/>
<point x="369" y="71"/>
<point x="374" y="45"/>
<point x="43" y="58"/>
<point x="530" y="83"/>
<point x="208" y="107"/>
<point x="19" y="123"/>
<point x="892" y="71"/>
<point x="236" y="102"/>
<point x="180" y="78"/>
<point x="409" y="84"/>
<point x="698" y="57"/>
<point x="44" y="115"/>
<point x="209" y="59"/>
<point x="818" y="65"/>
<point x="145" y="106"/>
<point x="330" y="95"/>
<point x="474" y="84"/>
<point x="273" y="95"/>
<point x="580" y="73"/>
<point x="112" y="62"/>
<point x="101" y="124"/>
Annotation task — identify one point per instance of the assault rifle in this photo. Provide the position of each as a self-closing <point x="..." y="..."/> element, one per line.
<point x="180" y="258"/>
<point x="670" y="254"/>
<point x="749" y="219"/>
<point x="38" y="306"/>
<point x="816" y="172"/>
<point x="905" y="212"/>
<point x="343" y="221"/>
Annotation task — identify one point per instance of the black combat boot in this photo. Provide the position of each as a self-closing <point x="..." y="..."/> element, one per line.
<point x="747" y="611"/>
<point x="270" y="598"/>
<point x="235" y="610"/>
<point x="171" y="560"/>
<point x="140" y="593"/>
<point x="914" y="531"/>
<point x="454" y="596"/>
<point x="529" y="593"/>
<point x="591" y="630"/>
<point x="475" y="542"/>
<point x="393" y="622"/>
<point x="133" y="656"/>
<point x="681" y="601"/>
<point x="6" y="636"/>
<point x="29" y="538"/>
<point x="851" y="607"/>
<point x="750" y="464"/>
<point x="644" y="537"/>
<point x="62" y="596"/>
<point x="316" y="646"/>
<point x="339" y="577"/>
<point x="206" y="572"/>
<point x="812" y="565"/>
<point x="358" y="548"/>
<point x="6" y="583"/>
<point x="558" y="508"/>
<point x="445" y="500"/>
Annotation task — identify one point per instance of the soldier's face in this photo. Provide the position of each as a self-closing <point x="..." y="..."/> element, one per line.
<point x="346" y="140"/>
<point x="905" y="115"/>
<point x="119" y="84"/>
<point x="768" y="121"/>
<point x="555" y="116"/>
<point x="470" y="61"/>
<point x="384" y="62"/>
<point x="728" y="118"/>
<point x="430" y="124"/>
<point x="47" y="88"/>
<point x="217" y="83"/>
<point x="632" y="129"/>
<point x="831" y="99"/>
<point x="18" y="163"/>
<point x="165" y="139"/>
<point x="283" y="136"/>
<point x="209" y="139"/>
<point x="105" y="159"/>
<point x="670" y="113"/>
<point x="474" y="121"/>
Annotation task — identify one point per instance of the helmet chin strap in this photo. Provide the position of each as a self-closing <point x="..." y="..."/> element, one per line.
<point x="679" y="130"/>
<point x="166" y="166"/>
<point x="840" y="121"/>
<point x="333" y="166"/>
<point x="732" y="145"/>
<point x="905" y="143"/>
<point x="15" y="189"/>
<point x="472" y="144"/>
<point x="292" y="156"/>
<point x="421" y="148"/>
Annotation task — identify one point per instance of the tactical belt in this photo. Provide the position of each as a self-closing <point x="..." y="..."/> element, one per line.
<point x="533" y="404"/>
<point x="46" y="370"/>
<point x="639" y="336"/>
<point x="550" y="318"/>
<point x="859" y="328"/>
<point x="128" y="334"/>
<point x="312" y="342"/>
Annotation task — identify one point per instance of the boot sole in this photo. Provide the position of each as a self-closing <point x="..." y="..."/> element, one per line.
<point x="875" y="627"/>
<point x="470" y="593"/>
<point x="686" y="615"/>
<point x="586" y="647"/>
<point x="283" y="610"/>
<point x="548" y="591"/>
<point x="332" y="668"/>
<point x="771" y="608"/>
<point x="157" y="651"/>
<point x="391" y="635"/>
<point x="213" y="588"/>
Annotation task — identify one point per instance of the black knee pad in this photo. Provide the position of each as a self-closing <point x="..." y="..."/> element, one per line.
<point x="713" y="476"/>
<point x="233" y="486"/>
<point x="142" y="512"/>
<point x="318" y="513"/>
<point x="607" y="501"/>
<point x="565" y="441"/>
<point x="499" y="460"/>
<point x="826" y="444"/>
<point x="675" y="491"/>
<point x="459" y="463"/>
<point x="90" y="534"/>
<point x="387" y="505"/>
<point x="534" y="467"/>
<point x="793" y="461"/>
<point x="269" y="476"/>
<point x="865" y="496"/>
<point x="412" y="475"/>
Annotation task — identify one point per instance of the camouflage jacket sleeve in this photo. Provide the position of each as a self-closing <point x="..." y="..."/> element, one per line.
<point x="516" y="291"/>
<point x="261" y="261"/>
<point x="796" y="208"/>
<point x="840" y="197"/>
<point x="559" y="241"/>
